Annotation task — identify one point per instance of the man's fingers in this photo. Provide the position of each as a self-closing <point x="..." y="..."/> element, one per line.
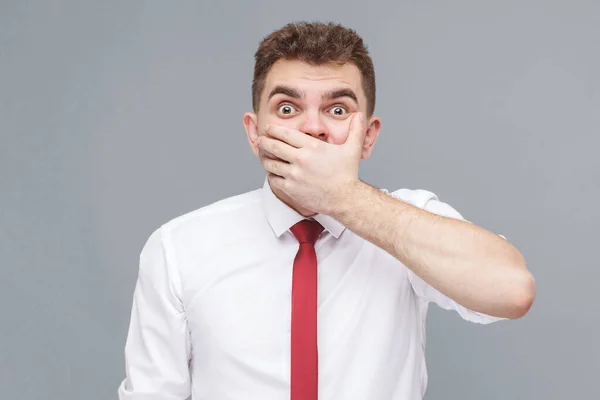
<point x="275" y="166"/>
<point x="292" y="137"/>
<point x="276" y="148"/>
<point x="356" y="134"/>
<point x="265" y="154"/>
<point x="270" y="162"/>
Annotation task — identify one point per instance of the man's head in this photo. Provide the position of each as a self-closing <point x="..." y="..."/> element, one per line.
<point x="312" y="77"/>
<point x="316" y="44"/>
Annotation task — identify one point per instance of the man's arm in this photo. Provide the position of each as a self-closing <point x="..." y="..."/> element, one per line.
<point x="470" y="265"/>
<point x="157" y="351"/>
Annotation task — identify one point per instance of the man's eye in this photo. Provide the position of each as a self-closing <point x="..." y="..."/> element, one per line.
<point x="286" y="109"/>
<point x="338" y="110"/>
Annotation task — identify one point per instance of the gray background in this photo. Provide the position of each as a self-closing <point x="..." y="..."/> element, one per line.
<point x="116" y="116"/>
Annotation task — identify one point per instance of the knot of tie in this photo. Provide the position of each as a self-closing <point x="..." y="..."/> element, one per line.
<point x="307" y="231"/>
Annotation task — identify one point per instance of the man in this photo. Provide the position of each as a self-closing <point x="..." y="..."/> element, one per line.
<point x="317" y="284"/>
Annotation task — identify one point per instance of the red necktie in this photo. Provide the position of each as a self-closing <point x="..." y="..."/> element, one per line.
<point x="304" y="355"/>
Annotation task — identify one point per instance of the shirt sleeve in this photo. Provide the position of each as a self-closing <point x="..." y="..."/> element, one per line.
<point x="157" y="350"/>
<point x="429" y="202"/>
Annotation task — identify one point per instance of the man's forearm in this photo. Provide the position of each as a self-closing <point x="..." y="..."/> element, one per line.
<point x="472" y="266"/>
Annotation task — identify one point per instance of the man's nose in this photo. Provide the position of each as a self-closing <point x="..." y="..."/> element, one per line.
<point x="313" y="125"/>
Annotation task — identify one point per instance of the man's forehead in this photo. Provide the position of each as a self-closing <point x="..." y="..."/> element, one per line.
<point x="298" y="70"/>
<point x="324" y="77"/>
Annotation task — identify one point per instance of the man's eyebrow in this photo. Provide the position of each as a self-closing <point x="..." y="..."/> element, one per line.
<point x="336" y="94"/>
<point x="285" y="90"/>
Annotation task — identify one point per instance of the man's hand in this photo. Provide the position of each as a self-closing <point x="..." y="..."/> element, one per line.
<point x="312" y="172"/>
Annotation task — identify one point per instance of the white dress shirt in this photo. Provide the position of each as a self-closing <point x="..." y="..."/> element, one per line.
<point x="211" y="308"/>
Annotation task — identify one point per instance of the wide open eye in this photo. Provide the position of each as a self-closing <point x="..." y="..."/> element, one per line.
<point x="286" y="109"/>
<point x="338" y="111"/>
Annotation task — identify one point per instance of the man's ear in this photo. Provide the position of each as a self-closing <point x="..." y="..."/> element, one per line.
<point x="373" y="128"/>
<point x="250" y="121"/>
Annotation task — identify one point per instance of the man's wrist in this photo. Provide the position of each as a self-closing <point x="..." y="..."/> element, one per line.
<point x="350" y="196"/>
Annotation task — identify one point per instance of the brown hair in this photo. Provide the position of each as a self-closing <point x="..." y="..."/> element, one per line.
<point x="314" y="43"/>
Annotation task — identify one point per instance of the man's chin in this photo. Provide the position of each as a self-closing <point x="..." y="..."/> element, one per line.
<point x="292" y="204"/>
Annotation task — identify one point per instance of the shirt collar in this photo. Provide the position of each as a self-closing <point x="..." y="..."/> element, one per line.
<point x="282" y="217"/>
